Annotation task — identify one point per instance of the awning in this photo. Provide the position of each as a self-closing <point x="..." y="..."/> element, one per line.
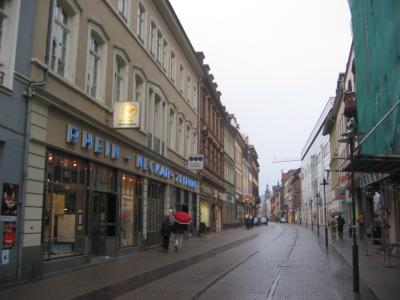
<point x="373" y="164"/>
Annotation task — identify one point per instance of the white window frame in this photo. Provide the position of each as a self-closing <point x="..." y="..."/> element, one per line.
<point x="96" y="32"/>
<point x="194" y="97"/>
<point x="157" y="119"/>
<point x="181" y="135"/>
<point x="8" y="42"/>
<point x="153" y="39"/>
<point x="172" y="128"/>
<point x="124" y="7"/>
<point x="165" y="55"/>
<point x="172" y="66"/>
<point x="181" y="81"/>
<point x="71" y="43"/>
<point x="141" y="22"/>
<point x="159" y="49"/>
<point x="140" y="95"/>
<point x="122" y="76"/>
<point x="188" y="139"/>
<point x="188" y="88"/>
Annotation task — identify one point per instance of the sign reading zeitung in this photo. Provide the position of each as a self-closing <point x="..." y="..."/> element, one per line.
<point x="126" y="114"/>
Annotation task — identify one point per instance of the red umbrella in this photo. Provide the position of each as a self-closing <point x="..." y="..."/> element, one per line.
<point x="182" y="217"/>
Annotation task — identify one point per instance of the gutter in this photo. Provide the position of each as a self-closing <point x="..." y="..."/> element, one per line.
<point x="29" y="95"/>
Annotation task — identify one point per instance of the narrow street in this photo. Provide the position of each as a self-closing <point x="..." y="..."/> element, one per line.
<point x="285" y="261"/>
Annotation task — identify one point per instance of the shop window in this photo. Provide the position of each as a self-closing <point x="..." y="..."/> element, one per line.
<point x="155" y="207"/>
<point x="63" y="169"/>
<point x="63" y="233"/>
<point x="131" y="191"/>
<point x="104" y="179"/>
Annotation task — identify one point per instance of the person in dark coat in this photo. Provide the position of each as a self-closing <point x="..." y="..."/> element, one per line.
<point x="179" y="230"/>
<point x="340" y="225"/>
<point x="166" y="228"/>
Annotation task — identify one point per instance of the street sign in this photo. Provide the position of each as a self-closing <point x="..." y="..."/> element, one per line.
<point x="196" y="162"/>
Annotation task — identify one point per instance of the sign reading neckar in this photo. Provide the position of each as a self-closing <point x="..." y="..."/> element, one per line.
<point x="101" y="146"/>
<point x="162" y="171"/>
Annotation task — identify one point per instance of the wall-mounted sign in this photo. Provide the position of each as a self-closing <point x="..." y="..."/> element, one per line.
<point x="196" y="162"/>
<point x="5" y="257"/>
<point x="159" y="170"/>
<point x="126" y="114"/>
<point x="9" y="199"/>
<point x="92" y="143"/>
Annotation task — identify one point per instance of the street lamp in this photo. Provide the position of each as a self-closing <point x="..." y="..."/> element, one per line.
<point x="324" y="183"/>
<point x="318" y="196"/>
<point x="349" y="136"/>
<point x="311" y="214"/>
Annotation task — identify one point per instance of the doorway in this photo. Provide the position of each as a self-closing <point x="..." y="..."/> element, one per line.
<point x="103" y="224"/>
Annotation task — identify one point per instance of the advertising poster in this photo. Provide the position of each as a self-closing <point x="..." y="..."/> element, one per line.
<point x="9" y="234"/>
<point x="9" y="200"/>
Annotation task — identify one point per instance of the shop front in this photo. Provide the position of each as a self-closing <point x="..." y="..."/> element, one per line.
<point x="102" y="198"/>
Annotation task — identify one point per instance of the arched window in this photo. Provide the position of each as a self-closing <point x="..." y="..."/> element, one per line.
<point x="157" y="121"/>
<point x="64" y="39"/>
<point x="96" y="63"/>
<point x="120" y="87"/>
<point x="140" y="96"/>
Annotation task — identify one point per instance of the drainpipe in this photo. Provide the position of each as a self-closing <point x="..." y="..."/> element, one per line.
<point x="29" y="95"/>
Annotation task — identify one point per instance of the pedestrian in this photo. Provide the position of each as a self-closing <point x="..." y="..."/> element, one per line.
<point x="166" y="228"/>
<point x="340" y="225"/>
<point x="179" y="230"/>
<point x="247" y="219"/>
<point x="251" y="221"/>
<point x="332" y="224"/>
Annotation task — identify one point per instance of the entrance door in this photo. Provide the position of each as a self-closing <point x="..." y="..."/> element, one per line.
<point x="103" y="223"/>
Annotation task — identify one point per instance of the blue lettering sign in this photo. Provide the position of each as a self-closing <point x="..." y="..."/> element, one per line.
<point x="115" y="152"/>
<point x="87" y="140"/>
<point x="98" y="145"/>
<point x="72" y="134"/>
<point x="107" y="152"/>
<point x="139" y="161"/>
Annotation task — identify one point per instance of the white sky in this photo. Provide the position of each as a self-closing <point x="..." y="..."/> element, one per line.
<point x="276" y="63"/>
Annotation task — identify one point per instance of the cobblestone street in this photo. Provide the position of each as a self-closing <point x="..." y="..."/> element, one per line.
<point x="283" y="262"/>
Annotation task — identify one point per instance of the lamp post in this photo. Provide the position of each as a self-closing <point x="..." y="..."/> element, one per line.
<point x="311" y="214"/>
<point x="318" y="197"/>
<point x="349" y="136"/>
<point x="324" y="183"/>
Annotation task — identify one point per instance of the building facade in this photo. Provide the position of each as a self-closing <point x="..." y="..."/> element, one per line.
<point x="107" y="188"/>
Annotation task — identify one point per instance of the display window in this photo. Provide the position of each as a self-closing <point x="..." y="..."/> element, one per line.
<point x="64" y="209"/>
<point x="131" y="193"/>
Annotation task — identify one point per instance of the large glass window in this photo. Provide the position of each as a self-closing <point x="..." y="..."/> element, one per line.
<point x="155" y="207"/>
<point x="131" y="191"/>
<point x="64" y="212"/>
<point x="59" y="40"/>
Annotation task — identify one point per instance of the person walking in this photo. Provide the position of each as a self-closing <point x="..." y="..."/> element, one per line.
<point x="332" y="224"/>
<point x="247" y="220"/>
<point x="340" y="224"/>
<point x="166" y="228"/>
<point x="179" y="230"/>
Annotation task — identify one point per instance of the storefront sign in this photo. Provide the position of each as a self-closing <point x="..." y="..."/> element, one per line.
<point x="164" y="172"/>
<point x="126" y="114"/>
<point x="92" y="143"/>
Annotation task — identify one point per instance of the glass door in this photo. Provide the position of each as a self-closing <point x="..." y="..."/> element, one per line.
<point x="99" y="223"/>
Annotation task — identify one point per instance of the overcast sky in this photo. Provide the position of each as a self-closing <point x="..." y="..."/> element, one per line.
<point x="276" y="64"/>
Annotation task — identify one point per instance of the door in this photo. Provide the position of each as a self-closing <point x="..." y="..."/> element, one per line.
<point x="103" y="223"/>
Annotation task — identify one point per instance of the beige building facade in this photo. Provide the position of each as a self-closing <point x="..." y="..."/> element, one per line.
<point x="94" y="190"/>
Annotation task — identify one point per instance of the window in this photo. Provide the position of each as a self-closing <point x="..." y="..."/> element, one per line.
<point x="194" y="142"/>
<point x="188" y="139"/>
<point x="181" y="82"/>
<point x="153" y="39"/>
<point x="172" y="129"/>
<point x="120" y="78"/>
<point x="159" y="55"/>
<point x="173" y="66"/>
<point x="194" y="97"/>
<point x="123" y="9"/>
<point x="140" y="96"/>
<point x="165" y="55"/>
<point x="140" y="30"/>
<point x="64" y="40"/>
<point x="96" y="63"/>
<point x="188" y="89"/>
<point x="181" y="137"/>
<point x="157" y="121"/>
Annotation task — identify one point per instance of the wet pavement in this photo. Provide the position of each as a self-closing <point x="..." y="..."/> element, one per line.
<point x="278" y="261"/>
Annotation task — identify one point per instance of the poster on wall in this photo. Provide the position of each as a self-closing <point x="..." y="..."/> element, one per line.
<point x="9" y="234"/>
<point x="9" y="199"/>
